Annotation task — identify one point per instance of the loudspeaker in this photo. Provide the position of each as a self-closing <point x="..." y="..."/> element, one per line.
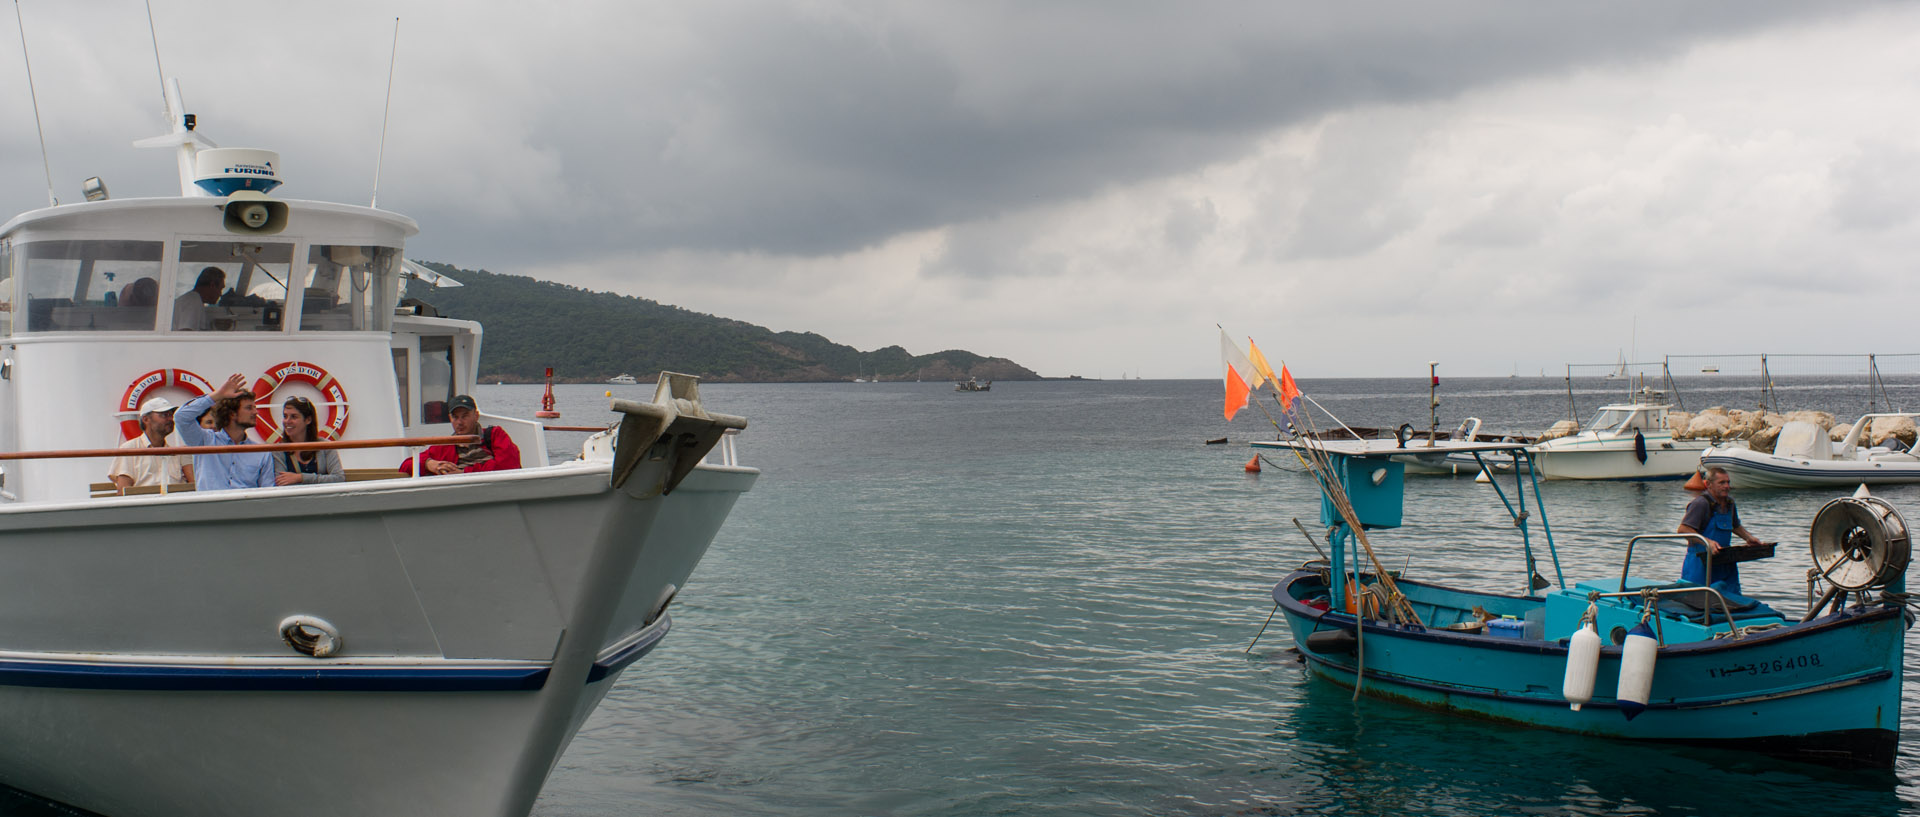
<point x="254" y="214"/>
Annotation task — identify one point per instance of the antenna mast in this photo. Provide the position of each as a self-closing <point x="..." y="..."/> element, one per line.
<point x="44" y="163"/>
<point x="385" y="114"/>
<point x="151" y="32"/>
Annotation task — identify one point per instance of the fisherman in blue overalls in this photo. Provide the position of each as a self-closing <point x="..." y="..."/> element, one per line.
<point x="1713" y="516"/>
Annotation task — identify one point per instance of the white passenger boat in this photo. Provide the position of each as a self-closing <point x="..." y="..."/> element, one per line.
<point x="1805" y="456"/>
<point x="622" y="380"/>
<point x="377" y="646"/>
<point x="1628" y="441"/>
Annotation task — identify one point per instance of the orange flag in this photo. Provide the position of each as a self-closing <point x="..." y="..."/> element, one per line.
<point x="1239" y="377"/>
<point x="1288" y="390"/>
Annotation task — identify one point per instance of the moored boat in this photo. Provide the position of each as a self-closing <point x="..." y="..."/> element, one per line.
<point x="1628" y="441"/>
<point x="1619" y="657"/>
<point x="1804" y="456"/>
<point x="378" y="645"/>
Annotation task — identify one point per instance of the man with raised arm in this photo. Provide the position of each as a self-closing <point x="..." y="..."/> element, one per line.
<point x="232" y="406"/>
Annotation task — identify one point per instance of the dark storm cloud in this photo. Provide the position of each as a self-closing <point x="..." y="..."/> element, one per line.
<point x="526" y="136"/>
<point x="808" y="130"/>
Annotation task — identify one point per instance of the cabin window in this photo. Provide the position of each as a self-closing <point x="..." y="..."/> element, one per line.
<point x="436" y="378"/>
<point x="350" y="288"/>
<point x="88" y="286"/>
<point x="400" y="380"/>
<point x="1607" y="419"/>
<point x="231" y="286"/>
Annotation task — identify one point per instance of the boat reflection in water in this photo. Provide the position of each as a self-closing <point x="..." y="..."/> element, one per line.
<point x="373" y="646"/>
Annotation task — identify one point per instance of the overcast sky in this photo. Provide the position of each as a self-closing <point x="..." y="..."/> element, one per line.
<point x="1084" y="187"/>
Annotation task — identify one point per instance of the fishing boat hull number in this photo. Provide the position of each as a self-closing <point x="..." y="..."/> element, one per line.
<point x="1811" y="659"/>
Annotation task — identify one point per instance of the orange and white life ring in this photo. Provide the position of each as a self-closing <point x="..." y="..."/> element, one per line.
<point x="158" y="378"/>
<point x="334" y="397"/>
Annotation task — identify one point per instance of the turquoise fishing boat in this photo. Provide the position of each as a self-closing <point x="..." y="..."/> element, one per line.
<point x="1620" y="656"/>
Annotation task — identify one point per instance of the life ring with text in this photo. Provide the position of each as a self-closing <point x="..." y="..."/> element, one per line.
<point x="333" y="423"/>
<point x="158" y="378"/>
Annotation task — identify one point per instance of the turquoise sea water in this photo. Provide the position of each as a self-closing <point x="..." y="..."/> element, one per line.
<point x="1038" y="600"/>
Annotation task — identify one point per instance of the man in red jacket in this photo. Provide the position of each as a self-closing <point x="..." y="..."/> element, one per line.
<point x="494" y="452"/>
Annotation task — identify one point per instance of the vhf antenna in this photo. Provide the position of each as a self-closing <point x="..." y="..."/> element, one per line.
<point x="159" y="71"/>
<point x="44" y="163"/>
<point x="380" y="158"/>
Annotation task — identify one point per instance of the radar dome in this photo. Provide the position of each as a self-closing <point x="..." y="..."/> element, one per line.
<point x="225" y="171"/>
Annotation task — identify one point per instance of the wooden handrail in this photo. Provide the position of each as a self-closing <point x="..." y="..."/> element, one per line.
<point x="262" y="448"/>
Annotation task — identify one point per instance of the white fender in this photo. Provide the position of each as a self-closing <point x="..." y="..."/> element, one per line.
<point x="1583" y="663"/>
<point x="1636" y="670"/>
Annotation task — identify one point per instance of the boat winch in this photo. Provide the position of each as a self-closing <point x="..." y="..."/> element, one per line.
<point x="1860" y="543"/>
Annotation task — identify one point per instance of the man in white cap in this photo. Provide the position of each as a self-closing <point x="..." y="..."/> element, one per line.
<point x="156" y="424"/>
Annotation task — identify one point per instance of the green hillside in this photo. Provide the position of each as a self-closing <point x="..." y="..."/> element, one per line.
<point x="591" y="336"/>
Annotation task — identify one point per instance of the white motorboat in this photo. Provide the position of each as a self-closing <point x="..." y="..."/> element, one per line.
<point x="622" y="380"/>
<point x="1805" y="456"/>
<point x="1623" y="441"/>
<point x="422" y="645"/>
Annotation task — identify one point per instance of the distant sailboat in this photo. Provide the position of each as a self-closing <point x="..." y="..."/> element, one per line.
<point x="1620" y="370"/>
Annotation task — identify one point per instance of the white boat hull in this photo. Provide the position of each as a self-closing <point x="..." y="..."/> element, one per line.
<point x="1587" y="457"/>
<point x="481" y="617"/>
<point x="1754" y="469"/>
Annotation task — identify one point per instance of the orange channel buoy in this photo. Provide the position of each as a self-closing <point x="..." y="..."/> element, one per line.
<point x="1253" y="465"/>
<point x="1696" y="482"/>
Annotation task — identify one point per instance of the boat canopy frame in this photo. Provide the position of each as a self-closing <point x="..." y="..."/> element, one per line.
<point x="1383" y="492"/>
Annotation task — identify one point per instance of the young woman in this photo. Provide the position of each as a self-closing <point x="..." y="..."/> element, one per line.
<point x="297" y="423"/>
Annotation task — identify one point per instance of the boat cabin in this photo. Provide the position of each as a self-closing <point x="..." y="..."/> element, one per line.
<point x="1627" y="419"/>
<point x="105" y="304"/>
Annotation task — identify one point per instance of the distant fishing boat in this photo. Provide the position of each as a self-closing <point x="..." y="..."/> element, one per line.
<point x="1709" y="369"/>
<point x="973" y="384"/>
<point x="1620" y="657"/>
<point x="622" y="380"/>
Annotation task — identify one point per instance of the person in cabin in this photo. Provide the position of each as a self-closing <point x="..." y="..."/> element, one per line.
<point x="494" y="452"/>
<point x="297" y="425"/>
<point x="190" y="309"/>
<point x="232" y="409"/>
<point x="144" y="292"/>
<point x="1712" y="515"/>
<point x="156" y="424"/>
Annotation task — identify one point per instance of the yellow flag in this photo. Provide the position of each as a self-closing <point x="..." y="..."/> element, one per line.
<point x="1260" y="362"/>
